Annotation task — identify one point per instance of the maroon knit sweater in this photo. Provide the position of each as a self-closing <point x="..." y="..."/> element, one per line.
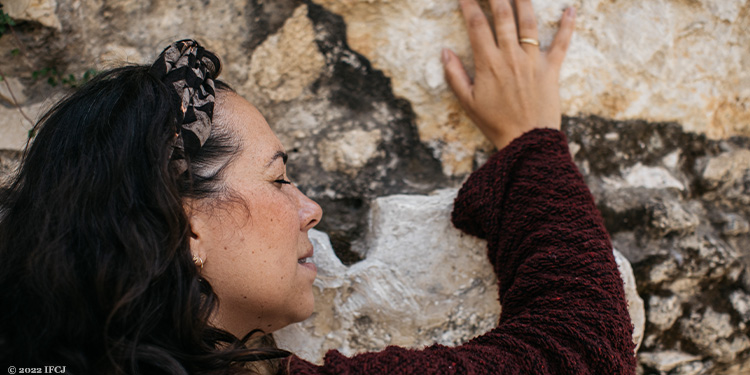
<point x="564" y="308"/>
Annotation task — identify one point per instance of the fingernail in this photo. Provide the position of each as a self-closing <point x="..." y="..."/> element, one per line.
<point x="571" y="12"/>
<point x="445" y="56"/>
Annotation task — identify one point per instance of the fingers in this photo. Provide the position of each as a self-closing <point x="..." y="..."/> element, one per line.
<point x="527" y="25"/>
<point x="456" y="76"/>
<point x="480" y="34"/>
<point x="505" y="23"/>
<point x="559" y="47"/>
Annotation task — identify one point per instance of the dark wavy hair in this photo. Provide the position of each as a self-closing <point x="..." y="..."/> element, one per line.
<point x="96" y="272"/>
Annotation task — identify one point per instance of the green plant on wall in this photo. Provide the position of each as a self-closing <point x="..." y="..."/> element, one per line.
<point x="5" y="21"/>
<point x="55" y="78"/>
<point x="50" y="74"/>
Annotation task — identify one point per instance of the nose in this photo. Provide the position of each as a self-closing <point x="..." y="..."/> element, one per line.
<point x="310" y="212"/>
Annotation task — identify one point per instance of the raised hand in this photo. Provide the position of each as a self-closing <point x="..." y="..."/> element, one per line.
<point x="515" y="88"/>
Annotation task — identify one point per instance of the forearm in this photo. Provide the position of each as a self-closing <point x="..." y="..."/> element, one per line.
<point x="559" y="284"/>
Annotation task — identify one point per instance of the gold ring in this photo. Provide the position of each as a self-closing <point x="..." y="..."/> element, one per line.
<point x="531" y="41"/>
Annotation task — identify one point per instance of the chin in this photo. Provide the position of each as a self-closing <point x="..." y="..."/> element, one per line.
<point x="306" y="308"/>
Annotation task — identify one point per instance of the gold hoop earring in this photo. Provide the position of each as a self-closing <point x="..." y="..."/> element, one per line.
<point x="198" y="261"/>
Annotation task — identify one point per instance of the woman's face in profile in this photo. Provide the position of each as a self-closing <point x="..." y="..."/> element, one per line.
<point x="254" y="252"/>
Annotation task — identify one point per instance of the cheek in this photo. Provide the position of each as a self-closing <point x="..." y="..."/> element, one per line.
<point x="267" y="240"/>
<point x="274" y="215"/>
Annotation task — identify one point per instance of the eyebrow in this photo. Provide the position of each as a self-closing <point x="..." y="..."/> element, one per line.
<point x="278" y="154"/>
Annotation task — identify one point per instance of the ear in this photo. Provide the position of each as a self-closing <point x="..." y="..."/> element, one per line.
<point x="199" y="237"/>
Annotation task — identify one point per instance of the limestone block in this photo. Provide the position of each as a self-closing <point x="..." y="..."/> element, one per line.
<point x="663" y="312"/>
<point x="14" y="128"/>
<point x="42" y="11"/>
<point x="693" y="368"/>
<point x="128" y="31"/>
<point x="670" y="216"/>
<point x="714" y="333"/>
<point x="350" y="151"/>
<point x="667" y="360"/>
<point x="422" y="282"/>
<point x="635" y="302"/>
<point x="287" y="62"/>
<point x="651" y="178"/>
<point x="9" y="163"/>
<point x="741" y="303"/>
<point x="727" y="168"/>
<point x="663" y="60"/>
<point x="734" y="225"/>
<point x="106" y="34"/>
<point x="11" y="91"/>
<point x="392" y="297"/>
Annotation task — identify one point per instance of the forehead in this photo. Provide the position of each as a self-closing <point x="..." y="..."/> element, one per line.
<point x="248" y="124"/>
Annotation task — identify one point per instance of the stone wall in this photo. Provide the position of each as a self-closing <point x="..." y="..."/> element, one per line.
<point x="657" y="102"/>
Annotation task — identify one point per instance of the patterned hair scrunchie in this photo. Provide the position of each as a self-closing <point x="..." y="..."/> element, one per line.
<point x="191" y="70"/>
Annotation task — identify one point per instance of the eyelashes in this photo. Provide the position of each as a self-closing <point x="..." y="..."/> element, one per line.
<point x="283" y="181"/>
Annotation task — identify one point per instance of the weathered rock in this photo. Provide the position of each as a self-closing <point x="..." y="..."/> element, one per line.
<point x="9" y="162"/>
<point x="446" y="288"/>
<point x="623" y="63"/>
<point x="741" y="303"/>
<point x="727" y="177"/>
<point x="667" y="360"/>
<point x="627" y="60"/>
<point x="734" y="225"/>
<point x="42" y="11"/>
<point x="670" y="216"/>
<point x="349" y="152"/>
<point x="690" y="368"/>
<point x="363" y="76"/>
<point x="663" y="312"/>
<point x="635" y="302"/>
<point x="11" y="91"/>
<point x="355" y="306"/>
<point x="714" y="332"/>
<point x="15" y="131"/>
<point x="683" y="231"/>
<point x="286" y="63"/>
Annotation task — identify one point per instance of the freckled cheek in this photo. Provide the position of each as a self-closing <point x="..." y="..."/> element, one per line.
<point x="280" y="216"/>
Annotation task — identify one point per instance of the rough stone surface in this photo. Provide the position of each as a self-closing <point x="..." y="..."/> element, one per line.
<point x="349" y="152"/>
<point x="287" y="62"/>
<point x="355" y="92"/>
<point x="714" y="332"/>
<point x="663" y="312"/>
<point x="682" y="231"/>
<point x="42" y="11"/>
<point x="662" y="60"/>
<point x="8" y="165"/>
<point x="411" y="241"/>
<point x="665" y="60"/>
<point x="741" y="303"/>
<point x="10" y="96"/>
<point x="635" y="302"/>
<point x="667" y="360"/>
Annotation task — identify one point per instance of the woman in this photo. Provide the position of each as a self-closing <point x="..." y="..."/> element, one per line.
<point x="152" y="228"/>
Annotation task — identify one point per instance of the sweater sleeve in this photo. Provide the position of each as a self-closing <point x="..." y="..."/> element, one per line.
<point x="564" y="308"/>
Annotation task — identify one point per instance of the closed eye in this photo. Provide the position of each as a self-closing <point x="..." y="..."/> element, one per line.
<point x="283" y="181"/>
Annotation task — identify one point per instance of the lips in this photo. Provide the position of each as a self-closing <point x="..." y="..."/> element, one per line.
<point x="307" y="260"/>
